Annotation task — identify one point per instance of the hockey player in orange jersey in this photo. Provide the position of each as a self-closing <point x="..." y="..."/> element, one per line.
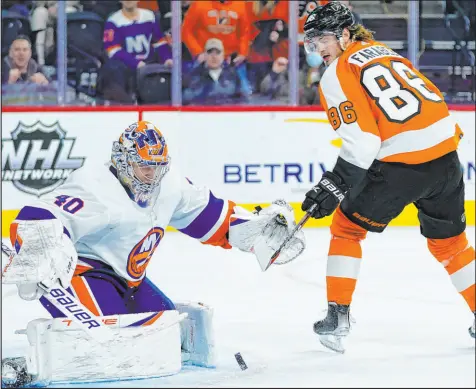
<point x="399" y="147"/>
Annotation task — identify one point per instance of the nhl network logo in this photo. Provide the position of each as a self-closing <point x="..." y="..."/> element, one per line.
<point x="37" y="158"/>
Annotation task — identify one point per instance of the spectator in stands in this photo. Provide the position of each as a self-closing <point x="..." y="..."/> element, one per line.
<point x="165" y="11"/>
<point x="18" y="67"/>
<point x="43" y="21"/>
<point x="21" y="7"/>
<point x="132" y="39"/>
<point x="309" y="79"/>
<point x="103" y="8"/>
<point x="275" y="85"/>
<point x="224" y="20"/>
<point x="213" y="82"/>
<point x="269" y="35"/>
<point x="149" y="4"/>
<point x="165" y="6"/>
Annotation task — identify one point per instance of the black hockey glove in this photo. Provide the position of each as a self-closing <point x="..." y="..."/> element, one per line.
<point x="327" y="194"/>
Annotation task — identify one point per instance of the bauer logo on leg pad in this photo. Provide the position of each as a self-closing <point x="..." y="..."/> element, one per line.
<point x="83" y="316"/>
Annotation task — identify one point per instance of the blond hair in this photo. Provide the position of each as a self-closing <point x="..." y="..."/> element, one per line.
<point x="360" y="33"/>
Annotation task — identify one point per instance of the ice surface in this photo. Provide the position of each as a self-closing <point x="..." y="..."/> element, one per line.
<point x="411" y="326"/>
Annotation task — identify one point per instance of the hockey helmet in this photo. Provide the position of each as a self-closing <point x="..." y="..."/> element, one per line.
<point x="141" y="160"/>
<point x="330" y="19"/>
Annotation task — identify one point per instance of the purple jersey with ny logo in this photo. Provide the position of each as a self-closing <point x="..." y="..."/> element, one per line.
<point x="133" y="41"/>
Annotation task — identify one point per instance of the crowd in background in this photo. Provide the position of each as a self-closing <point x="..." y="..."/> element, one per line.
<point x="119" y="52"/>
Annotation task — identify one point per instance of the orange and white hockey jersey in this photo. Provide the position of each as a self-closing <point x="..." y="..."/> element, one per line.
<point x="383" y="108"/>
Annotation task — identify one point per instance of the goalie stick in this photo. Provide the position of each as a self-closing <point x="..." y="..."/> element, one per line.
<point x="301" y="223"/>
<point x="68" y="305"/>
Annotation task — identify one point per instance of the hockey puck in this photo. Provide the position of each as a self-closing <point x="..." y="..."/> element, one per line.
<point x="240" y="361"/>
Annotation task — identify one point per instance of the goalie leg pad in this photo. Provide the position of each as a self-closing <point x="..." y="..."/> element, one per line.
<point x="145" y="345"/>
<point x="198" y="341"/>
<point x="38" y="359"/>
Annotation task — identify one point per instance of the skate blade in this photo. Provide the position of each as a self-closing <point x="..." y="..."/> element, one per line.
<point x="333" y="343"/>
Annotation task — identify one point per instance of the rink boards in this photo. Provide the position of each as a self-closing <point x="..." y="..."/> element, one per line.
<point x="249" y="155"/>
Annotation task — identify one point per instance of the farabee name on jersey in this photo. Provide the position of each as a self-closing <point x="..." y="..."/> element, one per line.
<point x="383" y="108"/>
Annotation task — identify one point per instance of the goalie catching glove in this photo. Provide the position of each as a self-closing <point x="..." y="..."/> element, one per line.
<point x="44" y="256"/>
<point x="266" y="229"/>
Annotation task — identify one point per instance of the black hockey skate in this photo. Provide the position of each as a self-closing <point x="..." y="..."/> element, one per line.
<point x="334" y="327"/>
<point x="472" y="329"/>
<point x="14" y="373"/>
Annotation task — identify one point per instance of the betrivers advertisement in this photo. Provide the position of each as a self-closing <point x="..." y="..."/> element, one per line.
<point x="248" y="157"/>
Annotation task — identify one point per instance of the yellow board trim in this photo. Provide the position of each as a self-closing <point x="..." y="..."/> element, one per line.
<point x="407" y="218"/>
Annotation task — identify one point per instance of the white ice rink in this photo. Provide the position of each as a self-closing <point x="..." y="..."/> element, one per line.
<point x="411" y="325"/>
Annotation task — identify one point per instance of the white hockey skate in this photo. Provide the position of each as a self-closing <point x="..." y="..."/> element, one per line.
<point x="334" y="327"/>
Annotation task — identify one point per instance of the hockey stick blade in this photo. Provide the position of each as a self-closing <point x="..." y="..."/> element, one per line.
<point x="68" y="305"/>
<point x="301" y="223"/>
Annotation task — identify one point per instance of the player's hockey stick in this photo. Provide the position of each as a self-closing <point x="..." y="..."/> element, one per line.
<point x="68" y="305"/>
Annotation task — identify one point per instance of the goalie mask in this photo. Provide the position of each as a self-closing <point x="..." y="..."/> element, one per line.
<point x="330" y="19"/>
<point x="141" y="159"/>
